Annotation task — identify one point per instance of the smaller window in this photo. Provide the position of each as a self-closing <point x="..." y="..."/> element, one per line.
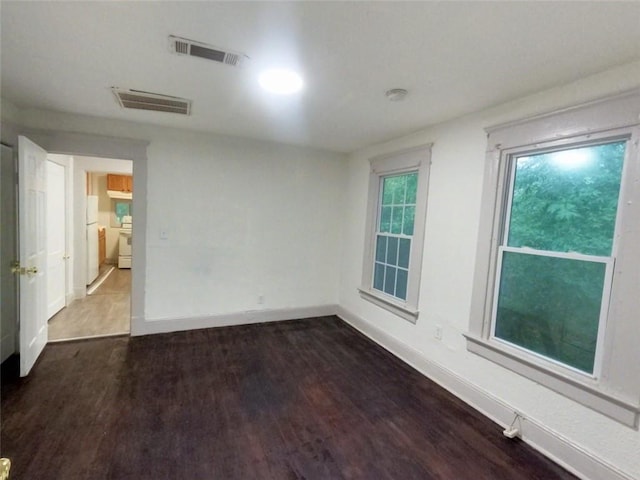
<point x="396" y="215"/>
<point x="119" y="209"/>
<point x="395" y="231"/>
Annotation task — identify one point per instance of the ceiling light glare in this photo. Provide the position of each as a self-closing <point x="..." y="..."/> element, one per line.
<point x="281" y="82"/>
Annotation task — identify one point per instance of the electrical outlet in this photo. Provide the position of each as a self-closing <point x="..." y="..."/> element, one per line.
<point x="260" y="299"/>
<point x="438" y="333"/>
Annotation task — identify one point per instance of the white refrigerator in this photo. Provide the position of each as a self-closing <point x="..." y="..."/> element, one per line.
<point x="92" y="238"/>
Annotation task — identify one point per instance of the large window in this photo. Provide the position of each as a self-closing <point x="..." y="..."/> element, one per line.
<point x="558" y="265"/>
<point x="395" y="231"/>
<point x="556" y="256"/>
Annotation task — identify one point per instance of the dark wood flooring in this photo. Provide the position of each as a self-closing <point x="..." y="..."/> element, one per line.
<point x="305" y="399"/>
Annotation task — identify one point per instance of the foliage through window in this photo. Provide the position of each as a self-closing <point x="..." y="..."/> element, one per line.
<point x="394" y="234"/>
<point x="555" y="264"/>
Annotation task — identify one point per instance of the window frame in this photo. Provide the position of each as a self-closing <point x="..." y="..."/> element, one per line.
<point x="416" y="159"/>
<point x="614" y="387"/>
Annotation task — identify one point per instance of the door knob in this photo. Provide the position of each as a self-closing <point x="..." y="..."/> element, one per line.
<point x="5" y="466"/>
<point x="16" y="268"/>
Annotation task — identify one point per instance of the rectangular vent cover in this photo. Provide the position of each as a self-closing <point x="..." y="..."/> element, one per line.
<point x="183" y="46"/>
<point x="156" y="102"/>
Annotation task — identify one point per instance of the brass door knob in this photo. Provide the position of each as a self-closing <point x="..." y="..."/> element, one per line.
<point x="16" y="268"/>
<point x="5" y="466"/>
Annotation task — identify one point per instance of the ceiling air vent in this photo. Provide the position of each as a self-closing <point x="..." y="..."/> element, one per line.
<point x="183" y="46"/>
<point x="156" y="102"/>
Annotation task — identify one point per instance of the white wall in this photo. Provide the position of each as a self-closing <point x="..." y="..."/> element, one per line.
<point x="243" y="219"/>
<point x="447" y="274"/>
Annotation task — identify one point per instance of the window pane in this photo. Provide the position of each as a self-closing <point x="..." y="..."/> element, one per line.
<point x="396" y="221"/>
<point x="401" y="284"/>
<point x="551" y="306"/>
<point x="381" y="248"/>
<point x="412" y="188"/>
<point x="567" y="200"/>
<point x="392" y="251"/>
<point x="385" y="219"/>
<point x="403" y="253"/>
<point x="393" y="190"/>
<point x="400" y="185"/>
<point x="387" y="192"/>
<point x="378" y="276"/>
<point x="409" y="216"/>
<point x="390" y="280"/>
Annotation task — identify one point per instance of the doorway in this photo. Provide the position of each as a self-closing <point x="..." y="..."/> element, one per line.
<point x="26" y="173"/>
<point x="8" y="255"/>
<point x="103" y="300"/>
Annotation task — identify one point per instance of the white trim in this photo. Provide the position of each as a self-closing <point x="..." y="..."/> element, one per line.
<point x="614" y="111"/>
<point x="417" y="159"/>
<point x="90" y="337"/>
<point x="175" y="324"/>
<point x="70" y="297"/>
<point x="618" y="362"/>
<point x="385" y="301"/>
<point x="94" y="286"/>
<point x="559" y="449"/>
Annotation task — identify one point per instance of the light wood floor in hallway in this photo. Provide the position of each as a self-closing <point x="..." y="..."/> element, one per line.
<point x="105" y="312"/>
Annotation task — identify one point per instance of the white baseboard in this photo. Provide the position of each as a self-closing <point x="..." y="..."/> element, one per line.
<point x="7" y="346"/>
<point x="561" y="450"/>
<point x="165" y="325"/>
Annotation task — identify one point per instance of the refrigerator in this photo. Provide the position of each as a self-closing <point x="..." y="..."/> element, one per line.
<point x="92" y="238"/>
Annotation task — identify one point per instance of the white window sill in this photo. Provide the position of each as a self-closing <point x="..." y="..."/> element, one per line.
<point x="585" y="391"/>
<point x="402" y="310"/>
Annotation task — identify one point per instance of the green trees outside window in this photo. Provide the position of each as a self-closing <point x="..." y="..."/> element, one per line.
<point x="556" y="257"/>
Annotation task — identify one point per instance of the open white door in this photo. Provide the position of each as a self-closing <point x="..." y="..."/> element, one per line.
<point x="56" y="244"/>
<point x="32" y="227"/>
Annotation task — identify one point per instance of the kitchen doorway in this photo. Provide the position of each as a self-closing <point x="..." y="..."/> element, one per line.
<point x="104" y="307"/>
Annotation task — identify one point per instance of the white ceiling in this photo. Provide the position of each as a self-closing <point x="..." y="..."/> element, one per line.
<point x="453" y="57"/>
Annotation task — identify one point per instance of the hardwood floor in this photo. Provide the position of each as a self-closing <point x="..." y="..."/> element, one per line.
<point x="305" y="399"/>
<point x="105" y="312"/>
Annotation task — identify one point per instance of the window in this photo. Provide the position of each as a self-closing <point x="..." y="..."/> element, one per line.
<point x="119" y="209"/>
<point x="555" y="293"/>
<point x="395" y="231"/>
<point x="555" y="260"/>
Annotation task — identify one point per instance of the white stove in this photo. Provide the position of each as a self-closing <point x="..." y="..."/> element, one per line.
<point x="124" y="243"/>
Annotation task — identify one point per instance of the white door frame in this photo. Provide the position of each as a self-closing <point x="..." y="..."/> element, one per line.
<point x="91" y="145"/>
<point x="61" y="257"/>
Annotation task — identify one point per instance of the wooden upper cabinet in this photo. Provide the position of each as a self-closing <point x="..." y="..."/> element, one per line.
<point x="120" y="183"/>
